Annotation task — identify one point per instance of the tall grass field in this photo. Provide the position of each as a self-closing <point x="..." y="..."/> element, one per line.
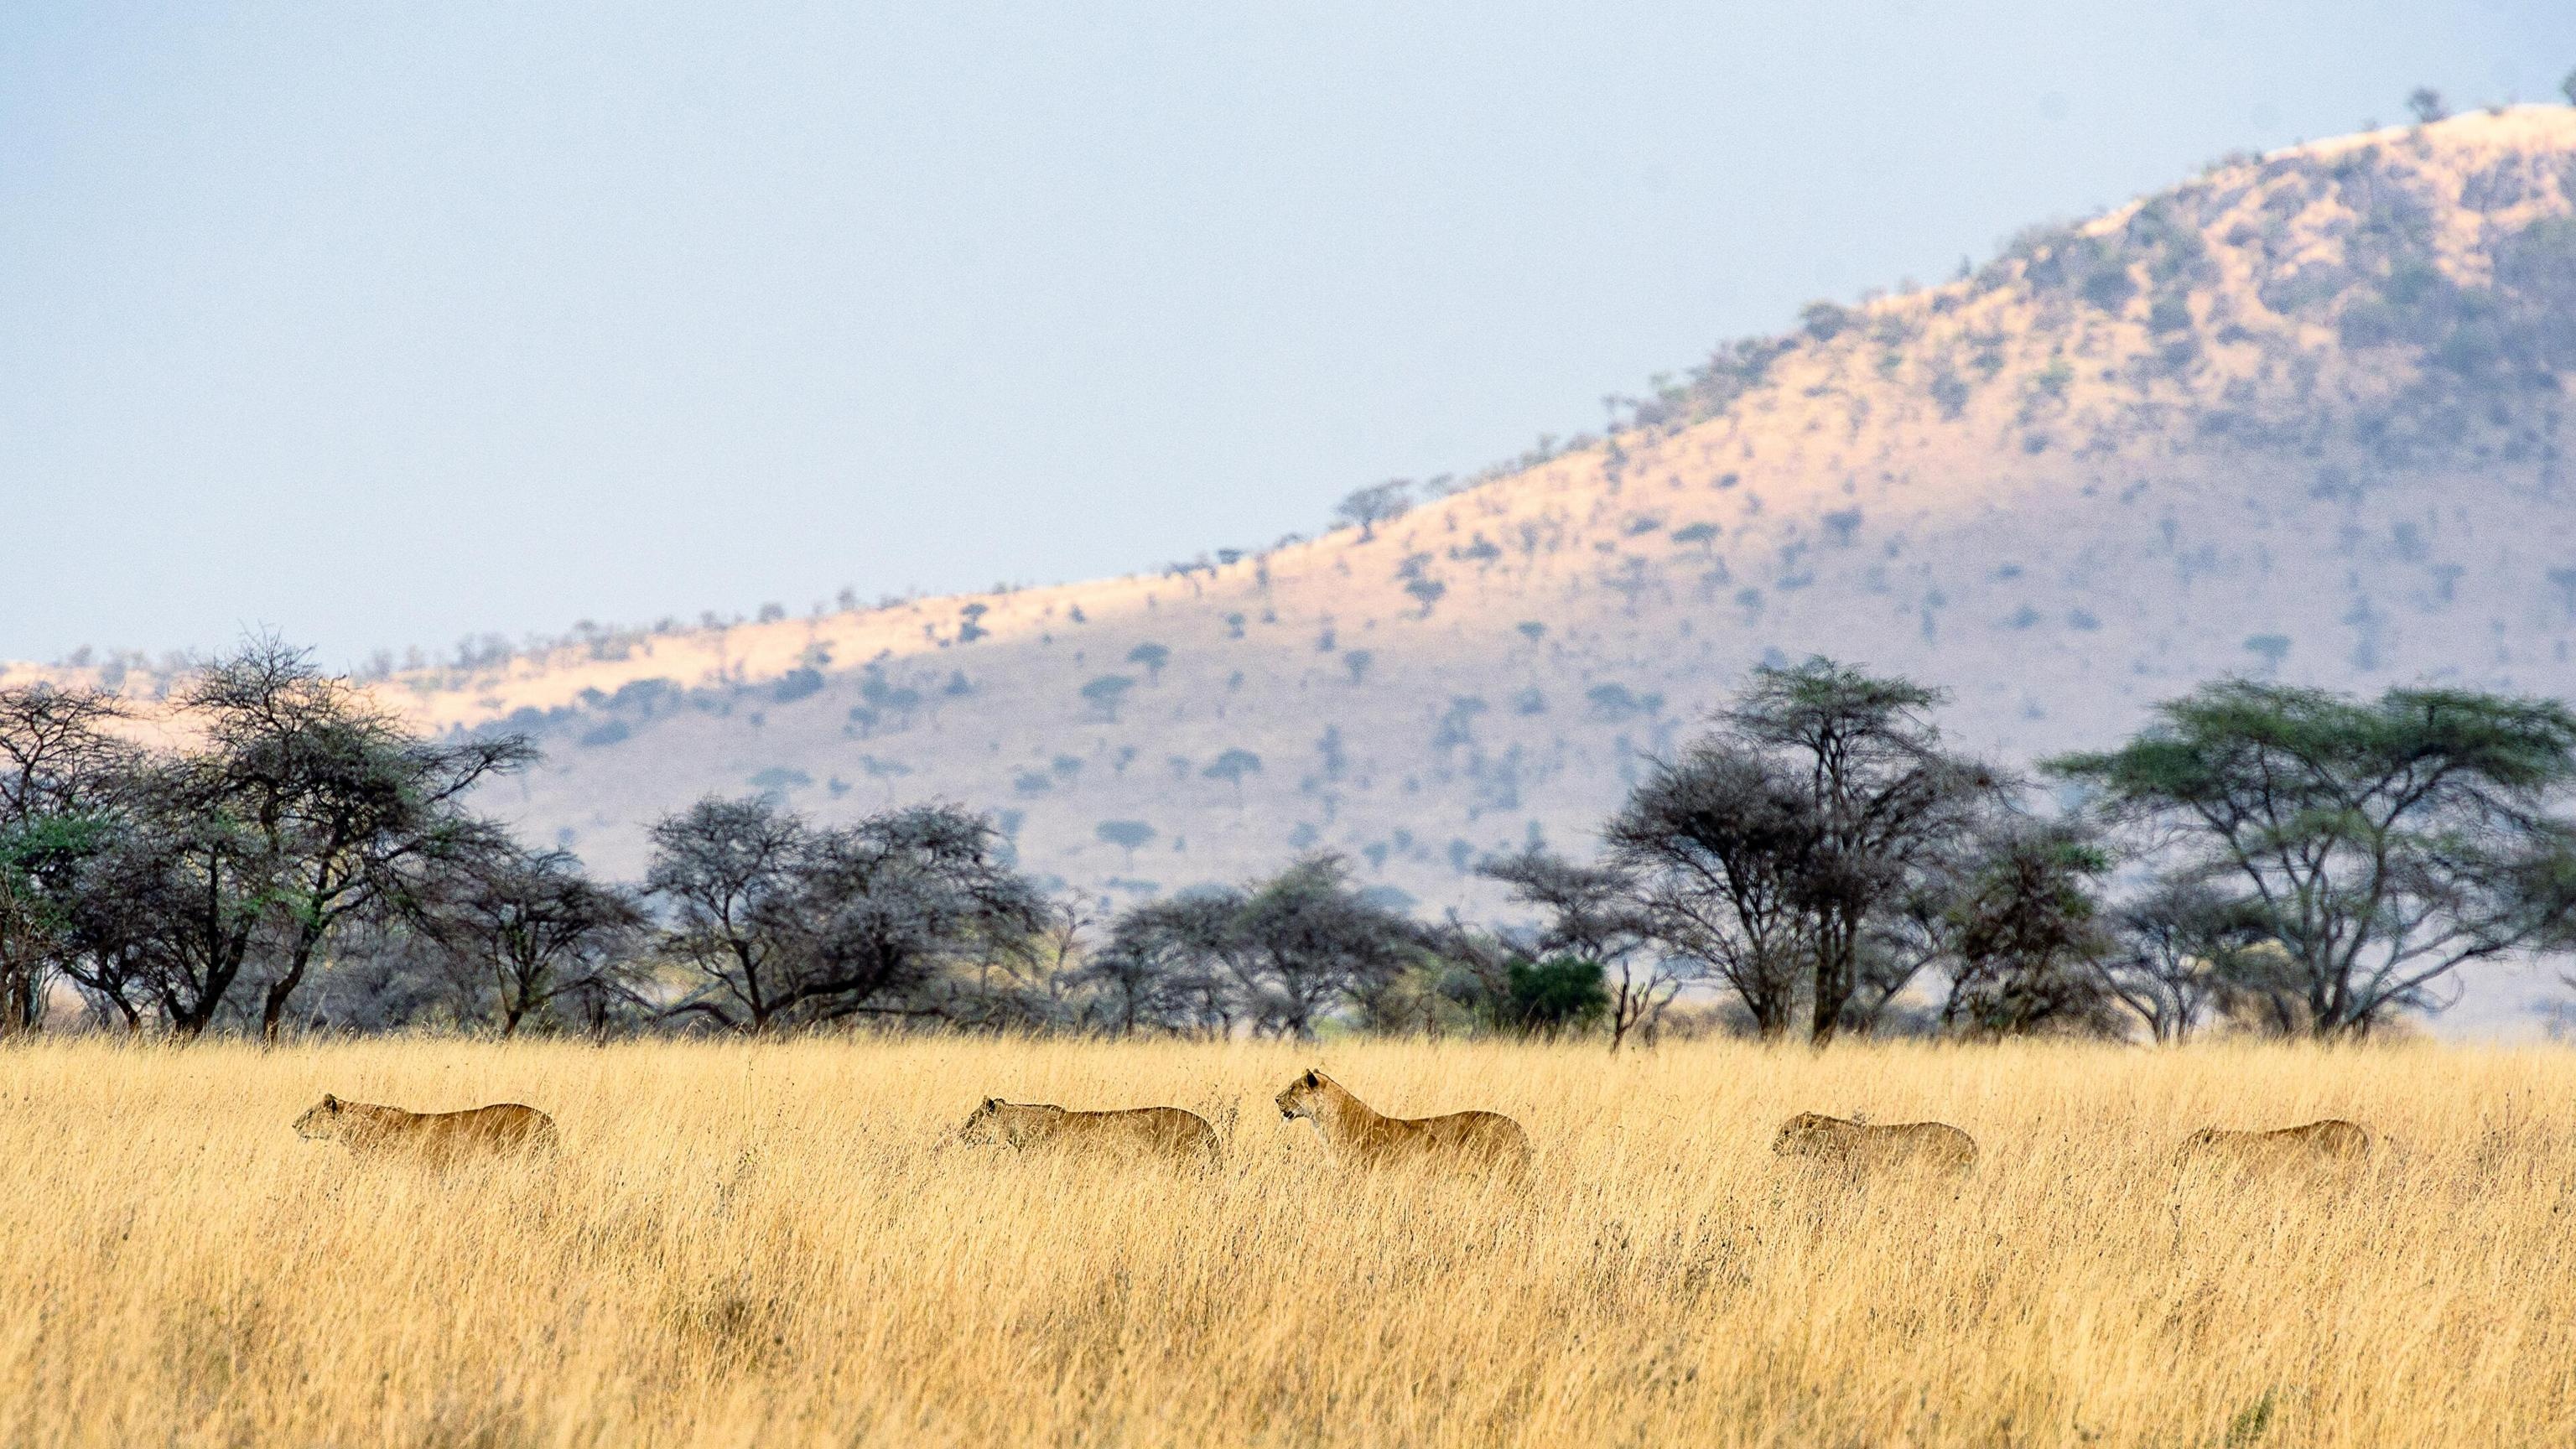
<point x="775" y="1244"/>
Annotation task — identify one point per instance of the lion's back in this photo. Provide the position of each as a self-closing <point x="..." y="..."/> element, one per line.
<point x="1835" y="1139"/>
<point x="1168" y="1131"/>
<point x="503" y="1128"/>
<point x="1478" y="1136"/>
<point x="2330" y="1139"/>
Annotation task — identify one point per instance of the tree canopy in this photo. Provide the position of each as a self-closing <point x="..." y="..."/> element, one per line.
<point x="2382" y="844"/>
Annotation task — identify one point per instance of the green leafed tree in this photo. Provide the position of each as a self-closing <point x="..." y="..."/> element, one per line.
<point x="2025" y="937"/>
<point x="1558" y="996"/>
<point x="2379" y="845"/>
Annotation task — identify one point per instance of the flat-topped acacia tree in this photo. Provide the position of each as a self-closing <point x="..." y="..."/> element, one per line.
<point x="2381" y="845"/>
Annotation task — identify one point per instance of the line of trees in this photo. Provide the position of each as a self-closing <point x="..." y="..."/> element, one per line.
<point x="1819" y="863"/>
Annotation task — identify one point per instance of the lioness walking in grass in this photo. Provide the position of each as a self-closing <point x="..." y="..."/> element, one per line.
<point x="1160" y="1131"/>
<point x="1846" y="1143"/>
<point x="1356" y="1133"/>
<point x="2331" y="1140"/>
<point x="368" y="1130"/>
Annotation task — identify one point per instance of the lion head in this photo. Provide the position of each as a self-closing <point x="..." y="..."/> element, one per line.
<point x="1300" y="1097"/>
<point x="1808" y="1132"/>
<point x="320" y="1122"/>
<point x="984" y="1123"/>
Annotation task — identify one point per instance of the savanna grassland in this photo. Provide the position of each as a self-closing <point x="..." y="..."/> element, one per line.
<point x="774" y="1244"/>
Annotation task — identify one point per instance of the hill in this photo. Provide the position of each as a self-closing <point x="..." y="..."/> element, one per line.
<point x="2301" y="416"/>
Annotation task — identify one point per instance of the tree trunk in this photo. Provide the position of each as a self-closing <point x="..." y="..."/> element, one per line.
<point x="272" y="1012"/>
<point x="18" y="1011"/>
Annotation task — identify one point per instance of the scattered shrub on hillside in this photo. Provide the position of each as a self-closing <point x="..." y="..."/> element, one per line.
<point x="1106" y="693"/>
<point x="1127" y="835"/>
<point x="1457" y="725"/>
<point x="1379" y="503"/>
<point x="1613" y="703"/>
<point x="1232" y="766"/>
<point x="1153" y="657"/>
<point x="1335" y="758"/>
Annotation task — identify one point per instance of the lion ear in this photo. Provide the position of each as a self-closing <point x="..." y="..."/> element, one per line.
<point x="992" y="1101"/>
<point x="1310" y="1078"/>
<point x="330" y="1101"/>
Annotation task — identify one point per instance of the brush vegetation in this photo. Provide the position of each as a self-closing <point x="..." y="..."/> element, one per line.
<point x="781" y="1243"/>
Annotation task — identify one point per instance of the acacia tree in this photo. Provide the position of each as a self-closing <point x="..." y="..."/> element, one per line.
<point x="1594" y="914"/>
<point x="784" y="923"/>
<point x="1305" y="942"/>
<point x="724" y="868"/>
<point x="333" y="799"/>
<point x="2024" y="935"/>
<point x="2184" y="951"/>
<point x="1231" y="767"/>
<point x="1378" y="503"/>
<point x="187" y="891"/>
<point x="888" y="904"/>
<point x="1718" y="845"/>
<point x="534" y="931"/>
<point x="1854" y="800"/>
<point x="1153" y="657"/>
<point x="61" y="771"/>
<point x="2380" y="845"/>
<point x="298" y="808"/>
<point x="1282" y="954"/>
<point x="1128" y="835"/>
<point x="1167" y="966"/>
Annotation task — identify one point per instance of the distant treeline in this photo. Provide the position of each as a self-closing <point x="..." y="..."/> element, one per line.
<point x="1820" y="862"/>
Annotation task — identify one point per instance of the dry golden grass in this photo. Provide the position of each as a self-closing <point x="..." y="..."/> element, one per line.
<point x="770" y="1245"/>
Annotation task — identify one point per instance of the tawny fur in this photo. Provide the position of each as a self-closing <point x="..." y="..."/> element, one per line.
<point x="1356" y="1133"/>
<point x="440" y="1138"/>
<point x="1837" y="1140"/>
<point x="1160" y="1131"/>
<point x="2330" y="1140"/>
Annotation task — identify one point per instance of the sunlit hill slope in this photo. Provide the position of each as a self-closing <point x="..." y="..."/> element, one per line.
<point x="2303" y="415"/>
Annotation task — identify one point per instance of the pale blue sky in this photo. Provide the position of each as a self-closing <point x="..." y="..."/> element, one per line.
<point x="379" y="325"/>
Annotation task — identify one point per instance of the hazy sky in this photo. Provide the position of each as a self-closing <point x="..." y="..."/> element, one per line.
<point x="382" y="324"/>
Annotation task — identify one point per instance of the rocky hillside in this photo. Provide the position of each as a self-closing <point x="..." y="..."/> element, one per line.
<point x="2303" y="415"/>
